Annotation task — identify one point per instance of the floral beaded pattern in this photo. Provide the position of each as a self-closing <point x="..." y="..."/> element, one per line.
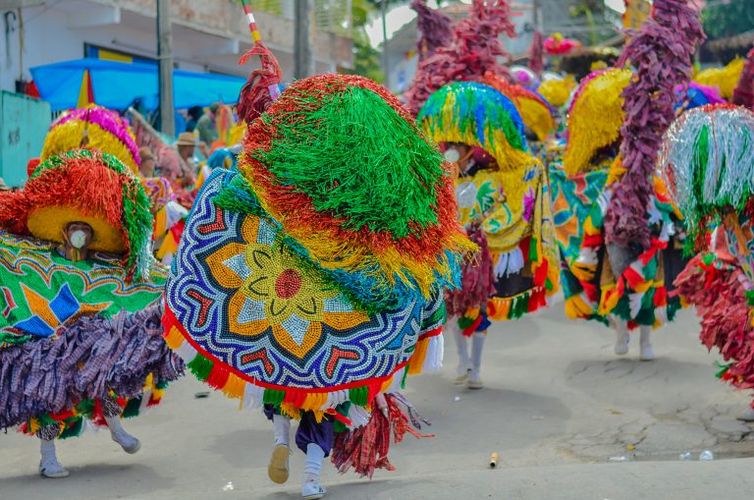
<point x="245" y="301"/>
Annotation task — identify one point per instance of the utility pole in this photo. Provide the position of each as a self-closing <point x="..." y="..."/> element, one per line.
<point x="385" y="57"/>
<point x="302" y="56"/>
<point x="165" y="78"/>
<point x="538" y="21"/>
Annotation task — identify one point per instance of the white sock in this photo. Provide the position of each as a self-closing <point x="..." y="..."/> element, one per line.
<point x="477" y="345"/>
<point x="115" y="426"/>
<point x="129" y="443"/>
<point x="47" y="450"/>
<point x="644" y="339"/>
<point x="621" y="336"/>
<point x="462" y="346"/>
<point x="282" y="429"/>
<point x="313" y="466"/>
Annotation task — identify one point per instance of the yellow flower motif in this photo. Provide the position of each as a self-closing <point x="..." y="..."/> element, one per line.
<point x="273" y="292"/>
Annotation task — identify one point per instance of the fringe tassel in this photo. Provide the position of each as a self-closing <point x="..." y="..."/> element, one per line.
<point x="365" y="449"/>
<point x="219" y="376"/>
<point x="514" y="307"/>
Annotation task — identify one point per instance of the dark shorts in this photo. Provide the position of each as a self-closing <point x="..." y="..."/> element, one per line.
<point x="310" y="431"/>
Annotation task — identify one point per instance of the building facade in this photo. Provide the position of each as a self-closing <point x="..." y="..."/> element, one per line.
<point x="208" y="35"/>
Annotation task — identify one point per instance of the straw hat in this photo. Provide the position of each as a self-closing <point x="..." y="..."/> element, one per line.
<point x="185" y="139"/>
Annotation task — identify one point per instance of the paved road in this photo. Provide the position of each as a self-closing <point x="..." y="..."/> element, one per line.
<point x="558" y="405"/>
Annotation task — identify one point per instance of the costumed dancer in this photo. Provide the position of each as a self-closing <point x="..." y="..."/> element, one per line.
<point x="503" y="209"/>
<point x="581" y="188"/>
<point x="80" y="333"/>
<point x="616" y="226"/>
<point x="706" y="162"/>
<point x="661" y="54"/>
<point x="473" y="54"/>
<point x="310" y="280"/>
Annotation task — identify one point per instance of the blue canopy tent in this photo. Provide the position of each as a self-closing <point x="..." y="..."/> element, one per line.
<point x="116" y="85"/>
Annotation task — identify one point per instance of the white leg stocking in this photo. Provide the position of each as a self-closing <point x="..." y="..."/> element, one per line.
<point x="278" y="468"/>
<point x="49" y="465"/>
<point x="645" y="345"/>
<point x="311" y="489"/>
<point x="282" y="429"/>
<point x="462" y="346"/>
<point x="477" y="346"/>
<point x="621" y="337"/>
<point x="126" y="441"/>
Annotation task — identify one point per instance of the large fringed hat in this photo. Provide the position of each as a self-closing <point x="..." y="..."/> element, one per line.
<point x="595" y="117"/>
<point x="556" y="91"/>
<point x="478" y="115"/>
<point x="371" y="195"/>
<point x="724" y="78"/>
<point x="93" y="127"/>
<point x="706" y="162"/>
<point x="85" y="186"/>
<point x="323" y="257"/>
<point x="534" y="110"/>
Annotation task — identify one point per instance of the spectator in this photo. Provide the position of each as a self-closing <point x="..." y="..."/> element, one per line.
<point x="207" y="127"/>
<point x="186" y="145"/>
<point x="195" y="113"/>
<point x="147" y="162"/>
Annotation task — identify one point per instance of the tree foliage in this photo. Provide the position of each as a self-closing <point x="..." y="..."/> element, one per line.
<point x="727" y="19"/>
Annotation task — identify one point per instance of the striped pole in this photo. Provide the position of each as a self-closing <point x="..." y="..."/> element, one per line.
<point x="252" y="22"/>
<point x="274" y="89"/>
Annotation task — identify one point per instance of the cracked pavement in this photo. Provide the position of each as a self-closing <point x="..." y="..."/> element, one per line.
<point x="557" y="405"/>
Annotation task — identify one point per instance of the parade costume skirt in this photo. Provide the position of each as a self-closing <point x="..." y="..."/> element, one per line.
<point x="598" y="280"/>
<point x="62" y="379"/>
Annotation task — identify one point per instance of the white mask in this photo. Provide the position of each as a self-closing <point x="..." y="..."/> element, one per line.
<point x="452" y="155"/>
<point x="78" y="239"/>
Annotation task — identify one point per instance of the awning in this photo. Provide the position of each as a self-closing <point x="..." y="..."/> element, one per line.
<point x="116" y="85"/>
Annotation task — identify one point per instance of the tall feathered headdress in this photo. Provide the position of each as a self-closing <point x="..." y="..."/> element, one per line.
<point x="661" y="54"/>
<point x="435" y="29"/>
<point x="475" y="49"/>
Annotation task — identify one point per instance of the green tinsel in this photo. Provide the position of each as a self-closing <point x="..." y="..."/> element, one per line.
<point x="72" y="429"/>
<point x="721" y="368"/>
<point x="359" y="160"/>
